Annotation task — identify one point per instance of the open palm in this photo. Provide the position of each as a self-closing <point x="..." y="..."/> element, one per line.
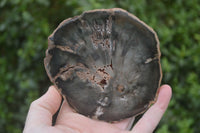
<point x="39" y="118"/>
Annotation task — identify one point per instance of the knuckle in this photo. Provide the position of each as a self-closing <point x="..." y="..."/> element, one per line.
<point x="34" y="104"/>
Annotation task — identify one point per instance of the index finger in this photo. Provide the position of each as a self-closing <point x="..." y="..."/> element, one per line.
<point x="42" y="109"/>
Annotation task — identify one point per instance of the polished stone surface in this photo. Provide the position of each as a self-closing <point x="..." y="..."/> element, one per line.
<point x="106" y="63"/>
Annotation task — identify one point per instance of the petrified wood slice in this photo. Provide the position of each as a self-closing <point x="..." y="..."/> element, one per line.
<point x="106" y="64"/>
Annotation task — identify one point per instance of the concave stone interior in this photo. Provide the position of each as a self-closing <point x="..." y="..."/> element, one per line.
<point x="106" y="64"/>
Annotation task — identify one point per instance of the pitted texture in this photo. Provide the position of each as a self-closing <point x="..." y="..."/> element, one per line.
<point x="106" y="63"/>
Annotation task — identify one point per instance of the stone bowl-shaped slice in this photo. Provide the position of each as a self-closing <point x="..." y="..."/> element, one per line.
<point x="106" y="64"/>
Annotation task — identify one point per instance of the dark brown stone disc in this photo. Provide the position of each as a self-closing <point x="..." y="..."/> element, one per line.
<point x="106" y="64"/>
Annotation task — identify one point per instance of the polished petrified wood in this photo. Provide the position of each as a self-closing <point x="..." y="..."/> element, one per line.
<point x="106" y="64"/>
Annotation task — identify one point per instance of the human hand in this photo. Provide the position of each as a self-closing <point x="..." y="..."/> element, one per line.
<point x="39" y="118"/>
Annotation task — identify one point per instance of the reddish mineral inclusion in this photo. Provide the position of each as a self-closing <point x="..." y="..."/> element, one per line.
<point x="106" y="64"/>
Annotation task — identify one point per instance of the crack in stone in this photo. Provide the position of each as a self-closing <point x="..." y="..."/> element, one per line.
<point x="148" y="60"/>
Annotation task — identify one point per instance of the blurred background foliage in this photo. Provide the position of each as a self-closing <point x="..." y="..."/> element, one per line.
<point x="26" y="24"/>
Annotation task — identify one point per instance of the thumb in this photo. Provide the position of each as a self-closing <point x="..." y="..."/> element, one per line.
<point x="42" y="109"/>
